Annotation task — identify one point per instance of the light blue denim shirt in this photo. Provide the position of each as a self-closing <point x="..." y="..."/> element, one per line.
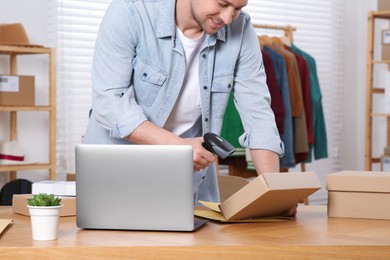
<point x="138" y="70"/>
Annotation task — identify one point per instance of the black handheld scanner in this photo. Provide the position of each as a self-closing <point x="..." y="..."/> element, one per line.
<point x="217" y="145"/>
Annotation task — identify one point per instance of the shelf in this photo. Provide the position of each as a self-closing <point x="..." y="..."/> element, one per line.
<point x="27" y="108"/>
<point x="372" y="90"/>
<point x="13" y="52"/>
<point x="10" y="49"/>
<point x="381" y="61"/>
<point x="378" y="90"/>
<point x="380" y="115"/>
<point x="21" y="167"/>
<point x="376" y="160"/>
<point x="382" y="14"/>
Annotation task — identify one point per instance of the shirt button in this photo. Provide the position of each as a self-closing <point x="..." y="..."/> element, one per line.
<point x="205" y="87"/>
<point x="230" y="85"/>
<point x="145" y="75"/>
<point x="206" y="119"/>
<point x="204" y="56"/>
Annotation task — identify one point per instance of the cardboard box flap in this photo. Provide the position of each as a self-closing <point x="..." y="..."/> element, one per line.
<point x="270" y="195"/>
<point x="211" y="205"/>
<point x="291" y="180"/>
<point x="359" y="181"/>
<point x="4" y="223"/>
<point x="228" y="185"/>
<point x="214" y="213"/>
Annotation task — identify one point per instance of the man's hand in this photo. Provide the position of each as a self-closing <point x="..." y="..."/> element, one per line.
<point x="148" y="133"/>
<point x="202" y="157"/>
<point x="291" y="212"/>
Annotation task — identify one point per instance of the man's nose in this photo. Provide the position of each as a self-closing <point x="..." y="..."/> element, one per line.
<point x="228" y="15"/>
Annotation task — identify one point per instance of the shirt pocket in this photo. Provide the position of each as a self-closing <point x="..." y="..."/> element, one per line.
<point x="148" y="81"/>
<point x="221" y="87"/>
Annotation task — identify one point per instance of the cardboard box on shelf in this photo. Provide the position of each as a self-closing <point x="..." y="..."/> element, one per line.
<point x="17" y="90"/>
<point x="359" y="194"/>
<point x="268" y="195"/>
<point x="386" y="44"/>
<point x="58" y="188"/>
<point x="383" y="5"/>
<point x="19" y="205"/>
<point x="385" y="163"/>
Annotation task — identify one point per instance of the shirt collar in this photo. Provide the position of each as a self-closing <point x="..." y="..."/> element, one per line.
<point x="167" y="25"/>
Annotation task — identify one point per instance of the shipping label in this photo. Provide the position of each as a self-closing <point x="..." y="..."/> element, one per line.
<point x="9" y="84"/>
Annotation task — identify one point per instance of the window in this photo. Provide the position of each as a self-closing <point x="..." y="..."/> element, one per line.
<point x="75" y="24"/>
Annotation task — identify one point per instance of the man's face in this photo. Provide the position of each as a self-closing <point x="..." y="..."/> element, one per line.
<point x="212" y="15"/>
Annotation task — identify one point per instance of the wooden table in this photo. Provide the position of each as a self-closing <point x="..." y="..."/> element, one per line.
<point x="310" y="235"/>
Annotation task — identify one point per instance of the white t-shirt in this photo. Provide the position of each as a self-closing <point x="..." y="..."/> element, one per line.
<point x="187" y="109"/>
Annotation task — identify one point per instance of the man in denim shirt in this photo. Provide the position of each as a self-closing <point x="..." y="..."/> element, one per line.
<point x="162" y="74"/>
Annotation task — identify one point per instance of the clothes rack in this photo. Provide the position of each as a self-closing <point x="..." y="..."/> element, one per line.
<point x="288" y="29"/>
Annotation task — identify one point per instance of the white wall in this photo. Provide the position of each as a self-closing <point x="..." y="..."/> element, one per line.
<point x="33" y="127"/>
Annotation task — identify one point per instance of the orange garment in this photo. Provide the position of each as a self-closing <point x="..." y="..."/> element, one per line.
<point x="293" y="80"/>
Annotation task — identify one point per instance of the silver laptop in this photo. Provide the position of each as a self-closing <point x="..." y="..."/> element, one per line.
<point x="135" y="187"/>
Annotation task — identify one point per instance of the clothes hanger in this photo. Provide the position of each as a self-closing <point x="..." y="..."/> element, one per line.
<point x="277" y="41"/>
<point x="265" y="40"/>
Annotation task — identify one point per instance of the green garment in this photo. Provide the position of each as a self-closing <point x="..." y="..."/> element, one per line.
<point x="232" y="127"/>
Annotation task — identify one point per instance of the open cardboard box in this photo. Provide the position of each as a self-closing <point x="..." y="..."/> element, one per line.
<point x="263" y="199"/>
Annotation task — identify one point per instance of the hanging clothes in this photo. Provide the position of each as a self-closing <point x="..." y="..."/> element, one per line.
<point x="232" y="127"/>
<point x="303" y="69"/>
<point x="280" y="69"/>
<point x="296" y="100"/>
<point x="277" y="104"/>
<point x="319" y="128"/>
<point x="301" y="145"/>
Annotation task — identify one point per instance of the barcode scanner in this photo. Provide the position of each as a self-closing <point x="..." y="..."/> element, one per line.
<point x="218" y="146"/>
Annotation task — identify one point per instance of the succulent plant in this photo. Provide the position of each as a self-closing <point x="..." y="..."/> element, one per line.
<point x="44" y="200"/>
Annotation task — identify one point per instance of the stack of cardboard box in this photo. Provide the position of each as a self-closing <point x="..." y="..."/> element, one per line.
<point x="359" y="194"/>
<point x="385" y="160"/>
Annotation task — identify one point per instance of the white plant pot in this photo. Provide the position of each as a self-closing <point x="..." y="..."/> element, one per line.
<point x="44" y="222"/>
